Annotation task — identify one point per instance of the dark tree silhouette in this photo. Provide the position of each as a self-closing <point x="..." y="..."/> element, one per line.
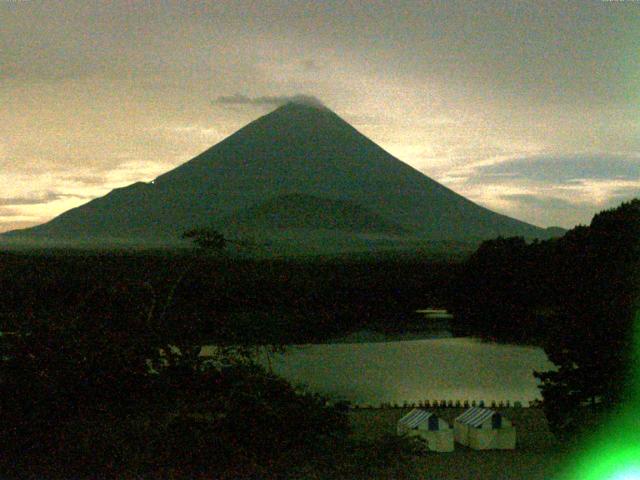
<point x="591" y="341"/>
<point x="206" y="239"/>
<point x="101" y="389"/>
<point x="576" y="296"/>
<point x="498" y="290"/>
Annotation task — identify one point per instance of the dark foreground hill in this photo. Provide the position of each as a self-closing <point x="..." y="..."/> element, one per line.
<point x="299" y="170"/>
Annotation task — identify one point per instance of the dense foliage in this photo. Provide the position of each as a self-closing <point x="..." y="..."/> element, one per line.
<point x="230" y="299"/>
<point x="95" y="394"/>
<point x="104" y="378"/>
<point x="576" y="296"/>
<point x="503" y="291"/>
<point x="592" y="340"/>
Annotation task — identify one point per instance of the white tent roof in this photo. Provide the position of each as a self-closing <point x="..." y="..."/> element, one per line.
<point x="417" y="417"/>
<point x="475" y="416"/>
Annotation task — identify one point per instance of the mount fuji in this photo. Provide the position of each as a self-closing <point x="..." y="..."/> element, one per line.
<point x="299" y="174"/>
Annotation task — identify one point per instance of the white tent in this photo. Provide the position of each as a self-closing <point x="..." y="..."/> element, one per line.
<point x="483" y="429"/>
<point x="436" y="432"/>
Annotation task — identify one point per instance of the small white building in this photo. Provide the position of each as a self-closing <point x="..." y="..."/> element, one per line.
<point x="436" y="432"/>
<point x="484" y="429"/>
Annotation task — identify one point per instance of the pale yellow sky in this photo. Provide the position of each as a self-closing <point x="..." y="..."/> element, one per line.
<point x="531" y="108"/>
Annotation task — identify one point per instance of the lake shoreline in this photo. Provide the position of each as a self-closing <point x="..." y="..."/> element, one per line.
<point x="413" y="372"/>
<point x="373" y="336"/>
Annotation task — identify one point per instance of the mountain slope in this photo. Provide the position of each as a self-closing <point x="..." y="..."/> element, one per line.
<point x="294" y="150"/>
<point x="298" y="211"/>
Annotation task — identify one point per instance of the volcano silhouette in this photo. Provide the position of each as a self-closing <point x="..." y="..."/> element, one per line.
<point x="299" y="169"/>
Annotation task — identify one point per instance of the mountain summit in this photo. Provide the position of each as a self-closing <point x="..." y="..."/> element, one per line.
<point x="299" y="169"/>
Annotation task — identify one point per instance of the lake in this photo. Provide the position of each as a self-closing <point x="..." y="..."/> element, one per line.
<point x="415" y="370"/>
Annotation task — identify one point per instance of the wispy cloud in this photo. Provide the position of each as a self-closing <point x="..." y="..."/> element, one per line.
<point x="6" y="226"/>
<point x="310" y="65"/>
<point x="600" y="192"/>
<point x="540" y="201"/>
<point x="13" y="218"/>
<point x="275" y="100"/>
<point x="86" y="179"/>
<point x="197" y="132"/>
<point x="9" y="212"/>
<point x="550" y="189"/>
<point x="443" y="102"/>
<point x="37" y="199"/>
<point x="562" y="169"/>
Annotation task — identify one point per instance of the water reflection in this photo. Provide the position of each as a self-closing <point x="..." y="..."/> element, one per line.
<point x="416" y="370"/>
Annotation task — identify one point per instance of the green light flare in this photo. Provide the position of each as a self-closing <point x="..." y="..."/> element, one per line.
<point x="636" y="360"/>
<point x="613" y="453"/>
<point x="627" y="474"/>
<point x="607" y="460"/>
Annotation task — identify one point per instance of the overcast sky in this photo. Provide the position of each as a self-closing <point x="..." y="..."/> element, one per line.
<point x="529" y="108"/>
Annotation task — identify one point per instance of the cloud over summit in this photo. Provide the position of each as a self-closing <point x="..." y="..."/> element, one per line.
<point x="490" y="98"/>
<point x="274" y="100"/>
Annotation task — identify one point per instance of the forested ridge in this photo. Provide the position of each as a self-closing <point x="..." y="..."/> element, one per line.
<point x="302" y="300"/>
<point x="577" y="296"/>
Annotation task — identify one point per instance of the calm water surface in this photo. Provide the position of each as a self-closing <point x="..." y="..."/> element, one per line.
<point x="415" y="370"/>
